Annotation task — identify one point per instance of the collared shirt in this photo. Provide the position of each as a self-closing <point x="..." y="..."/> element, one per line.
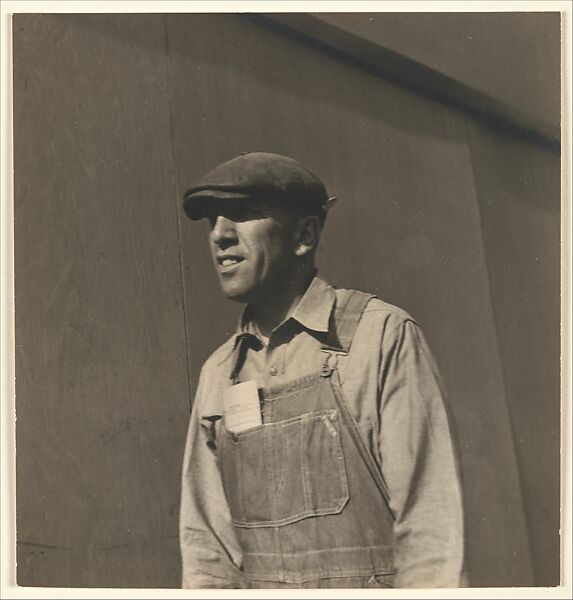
<point x="391" y="384"/>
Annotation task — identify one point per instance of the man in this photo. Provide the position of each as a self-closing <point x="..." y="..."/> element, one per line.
<point x="318" y="452"/>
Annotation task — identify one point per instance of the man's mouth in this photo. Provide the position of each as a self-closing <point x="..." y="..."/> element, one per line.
<point x="227" y="262"/>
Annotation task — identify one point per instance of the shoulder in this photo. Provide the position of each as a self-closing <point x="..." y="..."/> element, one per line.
<point x="215" y="373"/>
<point x="385" y="331"/>
<point x="387" y="325"/>
<point x="219" y="357"/>
<point x="379" y="311"/>
<point x="379" y="307"/>
<point x="213" y="379"/>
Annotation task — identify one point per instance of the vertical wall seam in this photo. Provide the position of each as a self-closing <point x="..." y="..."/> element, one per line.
<point x="183" y="294"/>
<point x="502" y="370"/>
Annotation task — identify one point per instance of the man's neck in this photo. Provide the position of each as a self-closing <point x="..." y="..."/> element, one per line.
<point x="269" y="314"/>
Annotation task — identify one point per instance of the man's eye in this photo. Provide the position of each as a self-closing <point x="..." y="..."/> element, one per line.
<point x="251" y="212"/>
<point x="243" y="212"/>
<point x="238" y="213"/>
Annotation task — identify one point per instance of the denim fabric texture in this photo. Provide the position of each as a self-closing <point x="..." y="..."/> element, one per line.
<point x="350" y="481"/>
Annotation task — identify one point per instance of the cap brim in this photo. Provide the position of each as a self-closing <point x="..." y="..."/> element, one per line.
<point x="196" y="201"/>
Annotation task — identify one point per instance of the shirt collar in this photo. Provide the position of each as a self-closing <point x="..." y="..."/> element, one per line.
<point x="315" y="307"/>
<point x="312" y="312"/>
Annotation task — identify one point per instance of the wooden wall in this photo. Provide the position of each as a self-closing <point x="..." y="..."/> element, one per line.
<point x="117" y="306"/>
<point x="101" y="376"/>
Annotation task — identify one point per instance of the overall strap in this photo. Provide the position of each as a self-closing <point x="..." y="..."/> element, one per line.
<point x="347" y="312"/>
<point x="349" y="307"/>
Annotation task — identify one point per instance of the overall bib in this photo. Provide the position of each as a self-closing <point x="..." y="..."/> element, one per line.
<point x="307" y="500"/>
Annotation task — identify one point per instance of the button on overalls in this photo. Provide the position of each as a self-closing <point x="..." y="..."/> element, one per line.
<point x="308" y="502"/>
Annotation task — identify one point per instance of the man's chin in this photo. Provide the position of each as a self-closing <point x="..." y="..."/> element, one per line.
<point x="236" y="295"/>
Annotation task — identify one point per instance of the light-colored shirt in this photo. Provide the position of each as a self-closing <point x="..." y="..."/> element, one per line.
<point x="392" y="386"/>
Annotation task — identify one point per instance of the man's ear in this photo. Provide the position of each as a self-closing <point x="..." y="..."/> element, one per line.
<point x="307" y="234"/>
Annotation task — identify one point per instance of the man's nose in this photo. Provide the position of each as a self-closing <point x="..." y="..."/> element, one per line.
<point x="223" y="230"/>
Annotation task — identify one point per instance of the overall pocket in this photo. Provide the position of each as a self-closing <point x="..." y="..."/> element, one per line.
<point x="279" y="473"/>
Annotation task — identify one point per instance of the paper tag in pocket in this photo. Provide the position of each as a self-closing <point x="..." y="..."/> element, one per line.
<point x="241" y="406"/>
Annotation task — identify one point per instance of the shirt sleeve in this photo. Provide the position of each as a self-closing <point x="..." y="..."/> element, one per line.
<point x="210" y="553"/>
<point x="419" y="465"/>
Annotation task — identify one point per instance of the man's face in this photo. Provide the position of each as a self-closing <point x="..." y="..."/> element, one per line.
<point x="252" y="244"/>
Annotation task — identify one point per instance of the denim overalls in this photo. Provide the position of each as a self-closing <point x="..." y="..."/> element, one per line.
<point x="307" y="500"/>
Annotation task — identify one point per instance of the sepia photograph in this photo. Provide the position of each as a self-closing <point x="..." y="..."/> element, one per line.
<point x="286" y="298"/>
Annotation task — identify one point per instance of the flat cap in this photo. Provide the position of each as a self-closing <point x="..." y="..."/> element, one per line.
<point x="257" y="175"/>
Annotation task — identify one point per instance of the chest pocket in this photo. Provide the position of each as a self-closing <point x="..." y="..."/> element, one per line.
<point x="280" y="473"/>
